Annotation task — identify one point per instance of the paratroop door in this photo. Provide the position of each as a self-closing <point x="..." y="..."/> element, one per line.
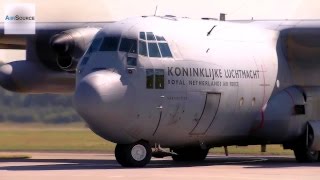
<point x="208" y="115"/>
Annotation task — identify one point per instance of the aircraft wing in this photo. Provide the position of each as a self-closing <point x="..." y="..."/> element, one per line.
<point x="20" y="41"/>
<point x="280" y="25"/>
<point x="11" y="41"/>
<point x="299" y="45"/>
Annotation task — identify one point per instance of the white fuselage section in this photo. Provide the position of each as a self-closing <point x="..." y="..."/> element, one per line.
<point x="211" y="88"/>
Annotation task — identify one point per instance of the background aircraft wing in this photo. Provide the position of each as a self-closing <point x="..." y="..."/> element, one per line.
<point x="11" y="41"/>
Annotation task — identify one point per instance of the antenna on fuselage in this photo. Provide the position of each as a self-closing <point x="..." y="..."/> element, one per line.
<point x="208" y="34"/>
<point x="155" y="12"/>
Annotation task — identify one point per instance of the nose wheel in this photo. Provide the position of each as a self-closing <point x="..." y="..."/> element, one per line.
<point x="133" y="155"/>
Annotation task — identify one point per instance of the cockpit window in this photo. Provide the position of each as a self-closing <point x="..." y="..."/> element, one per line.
<point x="150" y="36"/>
<point x="143" y="35"/>
<point x="153" y="45"/>
<point x="160" y="38"/>
<point x="84" y="61"/>
<point x="110" y="44"/>
<point x="143" y="48"/>
<point x="165" y="50"/>
<point x="94" y="45"/>
<point x="153" y="50"/>
<point x="128" y="45"/>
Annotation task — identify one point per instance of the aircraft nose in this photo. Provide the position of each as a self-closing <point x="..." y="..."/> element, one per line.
<point x="100" y="98"/>
<point x="87" y="94"/>
<point x="96" y="91"/>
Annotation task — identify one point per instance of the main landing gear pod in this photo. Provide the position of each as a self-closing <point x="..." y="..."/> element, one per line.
<point x="309" y="148"/>
<point x="133" y="155"/>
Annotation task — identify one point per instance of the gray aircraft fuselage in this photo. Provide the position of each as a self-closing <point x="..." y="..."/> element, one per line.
<point x="178" y="82"/>
<point x="188" y="85"/>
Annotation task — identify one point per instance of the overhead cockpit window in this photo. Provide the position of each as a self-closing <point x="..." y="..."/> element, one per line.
<point x="153" y="45"/>
<point x="160" y="38"/>
<point x="110" y="44"/>
<point x="150" y="36"/>
<point x="128" y="45"/>
<point x="153" y="50"/>
<point x="143" y="35"/>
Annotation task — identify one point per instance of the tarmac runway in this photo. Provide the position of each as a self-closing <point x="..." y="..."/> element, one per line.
<point x="71" y="166"/>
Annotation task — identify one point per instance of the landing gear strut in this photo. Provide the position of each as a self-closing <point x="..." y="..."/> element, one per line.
<point x="133" y="155"/>
<point x="190" y="154"/>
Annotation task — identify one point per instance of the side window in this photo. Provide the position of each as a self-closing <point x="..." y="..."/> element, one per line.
<point x="128" y="45"/>
<point x="143" y="48"/>
<point x="150" y="75"/>
<point x="159" y="79"/>
<point x="131" y="61"/>
<point x="155" y="78"/>
<point x="110" y="44"/>
<point x="165" y="50"/>
<point x="153" y="50"/>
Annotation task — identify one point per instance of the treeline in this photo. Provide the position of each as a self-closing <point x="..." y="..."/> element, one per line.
<point x="44" y="108"/>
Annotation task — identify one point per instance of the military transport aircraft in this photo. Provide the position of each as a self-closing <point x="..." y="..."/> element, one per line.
<point x="154" y="82"/>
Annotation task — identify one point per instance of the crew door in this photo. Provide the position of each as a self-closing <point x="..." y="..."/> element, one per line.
<point x="208" y="115"/>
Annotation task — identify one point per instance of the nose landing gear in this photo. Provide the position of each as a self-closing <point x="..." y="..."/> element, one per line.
<point x="133" y="155"/>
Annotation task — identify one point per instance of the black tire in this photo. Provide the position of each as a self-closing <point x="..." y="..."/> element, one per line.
<point x="119" y="154"/>
<point x="125" y="154"/>
<point x="305" y="155"/>
<point x="190" y="154"/>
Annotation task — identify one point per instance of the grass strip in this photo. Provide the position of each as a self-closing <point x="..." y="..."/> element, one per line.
<point x="80" y="139"/>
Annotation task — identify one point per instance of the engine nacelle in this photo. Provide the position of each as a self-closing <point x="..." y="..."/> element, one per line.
<point x="284" y="117"/>
<point x="71" y="45"/>
<point x="59" y="49"/>
<point x="49" y="53"/>
<point x="33" y="77"/>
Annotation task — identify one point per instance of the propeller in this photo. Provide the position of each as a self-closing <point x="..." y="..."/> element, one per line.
<point x="63" y="45"/>
<point x="69" y="46"/>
